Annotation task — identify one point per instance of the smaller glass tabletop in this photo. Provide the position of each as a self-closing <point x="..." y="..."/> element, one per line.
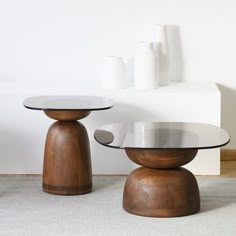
<point x="85" y="103"/>
<point x="162" y="135"/>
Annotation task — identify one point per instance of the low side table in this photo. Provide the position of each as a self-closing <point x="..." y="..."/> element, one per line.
<point x="67" y="163"/>
<point x="161" y="187"/>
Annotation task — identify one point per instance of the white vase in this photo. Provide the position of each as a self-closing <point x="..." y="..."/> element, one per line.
<point x="145" y="67"/>
<point x="114" y="75"/>
<point x="163" y="55"/>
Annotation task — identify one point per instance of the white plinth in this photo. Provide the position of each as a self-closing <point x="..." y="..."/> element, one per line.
<point x="23" y="131"/>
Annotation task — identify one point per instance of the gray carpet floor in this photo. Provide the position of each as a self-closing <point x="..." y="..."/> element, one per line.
<point x="26" y="210"/>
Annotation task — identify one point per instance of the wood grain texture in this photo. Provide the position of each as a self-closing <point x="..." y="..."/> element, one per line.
<point x="67" y="162"/>
<point x="66" y="115"/>
<point x="228" y="154"/>
<point x="161" y="159"/>
<point x="161" y="193"/>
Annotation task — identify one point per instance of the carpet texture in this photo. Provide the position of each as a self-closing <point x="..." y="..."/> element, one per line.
<point x="26" y="210"/>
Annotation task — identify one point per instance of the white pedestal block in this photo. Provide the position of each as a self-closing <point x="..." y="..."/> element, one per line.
<point x="23" y="131"/>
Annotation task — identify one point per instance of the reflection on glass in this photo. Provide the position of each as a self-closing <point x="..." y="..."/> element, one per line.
<point x="150" y="136"/>
<point x="117" y="130"/>
<point x="158" y="135"/>
<point x="105" y="138"/>
<point x="177" y="138"/>
<point x="145" y="134"/>
<point x="68" y="103"/>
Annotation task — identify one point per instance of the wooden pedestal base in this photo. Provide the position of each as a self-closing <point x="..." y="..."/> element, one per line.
<point x="161" y="192"/>
<point x="67" y="162"/>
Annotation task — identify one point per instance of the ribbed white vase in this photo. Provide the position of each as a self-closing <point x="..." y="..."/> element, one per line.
<point x="163" y="55"/>
<point x="114" y="74"/>
<point x="145" y="67"/>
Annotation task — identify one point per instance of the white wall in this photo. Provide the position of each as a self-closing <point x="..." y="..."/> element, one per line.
<point x="67" y="41"/>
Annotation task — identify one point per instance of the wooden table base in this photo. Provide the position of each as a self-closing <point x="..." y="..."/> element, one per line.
<point x="67" y="162"/>
<point x="161" y="192"/>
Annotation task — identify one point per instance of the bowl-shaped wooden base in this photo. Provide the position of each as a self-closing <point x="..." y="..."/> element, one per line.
<point x="161" y="193"/>
<point x="66" y="115"/>
<point x="161" y="159"/>
<point x="67" y="163"/>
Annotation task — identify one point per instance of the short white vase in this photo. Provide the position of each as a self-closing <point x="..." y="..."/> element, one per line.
<point x="145" y="67"/>
<point x="163" y="55"/>
<point x="114" y="74"/>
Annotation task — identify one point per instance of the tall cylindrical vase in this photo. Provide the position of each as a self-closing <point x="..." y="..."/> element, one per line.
<point x="163" y="55"/>
<point x="114" y="76"/>
<point x="145" y="67"/>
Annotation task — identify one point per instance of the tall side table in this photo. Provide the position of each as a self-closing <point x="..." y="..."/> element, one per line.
<point x="67" y="162"/>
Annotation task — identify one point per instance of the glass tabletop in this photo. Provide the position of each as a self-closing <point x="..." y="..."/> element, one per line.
<point x="68" y="103"/>
<point x="162" y="135"/>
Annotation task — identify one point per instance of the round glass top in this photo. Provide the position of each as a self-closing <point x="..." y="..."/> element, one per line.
<point x="162" y="135"/>
<point x="68" y="103"/>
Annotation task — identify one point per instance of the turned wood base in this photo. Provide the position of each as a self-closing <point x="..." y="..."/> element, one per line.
<point x="67" y="162"/>
<point x="161" y="192"/>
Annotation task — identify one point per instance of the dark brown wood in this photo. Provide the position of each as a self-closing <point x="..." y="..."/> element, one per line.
<point x="161" y="189"/>
<point x="161" y="159"/>
<point x="66" y="115"/>
<point x="67" y="162"/>
<point x="161" y="193"/>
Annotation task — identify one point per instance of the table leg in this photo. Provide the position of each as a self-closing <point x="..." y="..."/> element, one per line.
<point x="67" y="162"/>
<point x="161" y="192"/>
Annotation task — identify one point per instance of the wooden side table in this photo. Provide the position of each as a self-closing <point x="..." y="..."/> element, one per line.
<point x="161" y="187"/>
<point x="67" y="162"/>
